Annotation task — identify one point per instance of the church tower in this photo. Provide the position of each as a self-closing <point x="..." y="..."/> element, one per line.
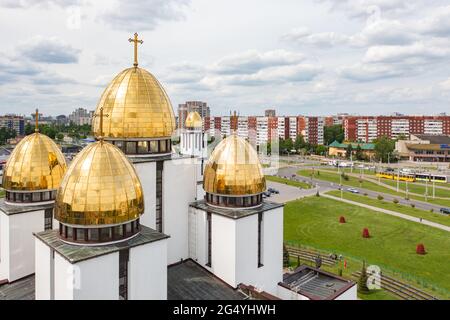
<point x="140" y="121"/>
<point x="234" y="233"/>
<point x="192" y="139"/>
<point x="101" y="251"/>
<point x="31" y="176"/>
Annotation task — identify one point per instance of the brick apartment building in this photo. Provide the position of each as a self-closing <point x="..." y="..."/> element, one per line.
<point x="369" y="128"/>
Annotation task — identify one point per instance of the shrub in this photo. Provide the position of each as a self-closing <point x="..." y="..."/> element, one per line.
<point x="395" y="201"/>
<point x="344" y="176"/>
<point x="362" y="281"/>
<point x="431" y="210"/>
<point x="380" y="197"/>
<point x="413" y="205"/>
<point x="420" y="249"/>
<point x="365" y="233"/>
<point x="365" y="194"/>
<point x="342" y="219"/>
<point x="317" y="194"/>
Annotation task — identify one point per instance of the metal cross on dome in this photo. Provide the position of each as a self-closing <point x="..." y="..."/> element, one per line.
<point x="36" y="119"/>
<point x="136" y="41"/>
<point x="101" y="116"/>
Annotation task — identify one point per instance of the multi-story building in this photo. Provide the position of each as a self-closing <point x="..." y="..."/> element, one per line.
<point x="13" y="122"/>
<point x="270" y="113"/>
<point x="81" y="116"/>
<point x="314" y="130"/>
<point x="369" y="128"/>
<point x="183" y="110"/>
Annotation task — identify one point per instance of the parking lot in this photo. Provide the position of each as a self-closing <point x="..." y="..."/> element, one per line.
<point x="287" y="193"/>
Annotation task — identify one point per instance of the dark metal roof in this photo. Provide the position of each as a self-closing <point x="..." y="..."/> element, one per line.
<point x="77" y="253"/>
<point x="235" y="213"/>
<point x="316" y="284"/>
<point x="189" y="281"/>
<point x="22" y="208"/>
<point x="22" y="289"/>
<point x="434" y="139"/>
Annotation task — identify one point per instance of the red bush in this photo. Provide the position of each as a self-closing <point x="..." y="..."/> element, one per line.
<point x="420" y="249"/>
<point x="342" y="219"/>
<point x="365" y="233"/>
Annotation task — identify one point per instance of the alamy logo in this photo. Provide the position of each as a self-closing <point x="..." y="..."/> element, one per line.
<point x="374" y="277"/>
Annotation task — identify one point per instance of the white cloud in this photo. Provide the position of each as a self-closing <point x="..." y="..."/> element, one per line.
<point x="48" y="50"/>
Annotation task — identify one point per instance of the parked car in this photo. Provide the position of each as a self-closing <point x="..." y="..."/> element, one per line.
<point x="445" y="210"/>
<point x="267" y="194"/>
<point x="353" y="190"/>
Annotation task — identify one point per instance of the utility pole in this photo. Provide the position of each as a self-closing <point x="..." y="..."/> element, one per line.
<point x="340" y="184"/>
<point x="426" y="190"/>
<point x="398" y="178"/>
<point x="407" y="189"/>
<point x="434" y="187"/>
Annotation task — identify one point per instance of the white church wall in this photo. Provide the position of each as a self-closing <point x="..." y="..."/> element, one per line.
<point x="148" y="271"/>
<point x="147" y="175"/>
<point x="43" y="270"/>
<point x="21" y="242"/>
<point x="4" y="246"/>
<point x="286" y="294"/>
<point x="99" y="278"/>
<point x="223" y="246"/>
<point x="179" y="189"/>
<point x="197" y="236"/>
<point x="63" y="278"/>
<point x="350" y="294"/>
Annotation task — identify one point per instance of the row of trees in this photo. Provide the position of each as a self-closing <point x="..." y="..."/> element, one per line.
<point x="54" y="131"/>
<point x="6" y="133"/>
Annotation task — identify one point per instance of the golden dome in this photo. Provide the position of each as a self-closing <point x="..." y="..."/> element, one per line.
<point x="234" y="169"/>
<point x="35" y="164"/>
<point x="193" y="120"/>
<point x="100" y="187"/>
<point x="136" y="106"/>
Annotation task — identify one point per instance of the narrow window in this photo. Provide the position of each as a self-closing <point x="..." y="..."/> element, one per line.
<point x="209" y="232"/>
<point x="48" y="219"/>
<point x="260" y="240"/>
<point x="123" y="273"/>
<point x="159" y="204"/>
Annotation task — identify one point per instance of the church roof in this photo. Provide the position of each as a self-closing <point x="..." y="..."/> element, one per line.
<point x="36" y="163"/>
<point x="100" y="187"/>
<point x="193" y="120"/>
<point x="234" y="169"/>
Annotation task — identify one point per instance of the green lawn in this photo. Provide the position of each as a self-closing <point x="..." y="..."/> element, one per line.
<point x="302" y="185"/>
<point x="354" y="182"/>
<point x="418" y="213"/>
<point x="314" y="222"/>
<point x="418" y="188"/>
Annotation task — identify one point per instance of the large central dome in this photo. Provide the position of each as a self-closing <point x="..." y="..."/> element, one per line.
<point x="136" y="106"/>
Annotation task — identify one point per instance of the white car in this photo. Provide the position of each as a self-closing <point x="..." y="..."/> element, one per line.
<point x="353" y="190"/>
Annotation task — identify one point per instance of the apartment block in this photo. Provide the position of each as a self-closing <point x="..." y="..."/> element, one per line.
<point x="13" y="122"/>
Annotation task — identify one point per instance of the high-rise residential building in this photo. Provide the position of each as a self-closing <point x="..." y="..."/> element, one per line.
<point x="81" y="117"/>
<point x="369" y="128"/>
<point x="13" y="122"/>
<point x="314" y="130"/>
<point x="183" y="110"/>
<point x="270" y="113"/>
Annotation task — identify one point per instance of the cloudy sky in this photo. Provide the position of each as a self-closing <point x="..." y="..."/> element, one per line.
<point x="311" y="57"/>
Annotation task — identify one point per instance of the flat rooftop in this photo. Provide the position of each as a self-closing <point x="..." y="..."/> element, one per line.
<point x="235" y="213"/>
<point x="189" y="281"/>
<point x="316" y="284"/>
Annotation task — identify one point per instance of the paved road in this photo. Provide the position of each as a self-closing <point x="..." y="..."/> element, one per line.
<point x="326" y="186"/>
<point x="288" y="193"/>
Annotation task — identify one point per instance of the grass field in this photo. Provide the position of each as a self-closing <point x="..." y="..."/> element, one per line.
<point x="354" y="182"/>
<point x="288" y="182"/>
<point x="314" y="222"/>
<point x="419" y="188"/>
<point x="414" y="212"/>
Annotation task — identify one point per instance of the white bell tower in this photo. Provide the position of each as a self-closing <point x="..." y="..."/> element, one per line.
<point x="193" y="142"/>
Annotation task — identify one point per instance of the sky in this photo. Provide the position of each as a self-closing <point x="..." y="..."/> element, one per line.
<point x="300" y="57"/>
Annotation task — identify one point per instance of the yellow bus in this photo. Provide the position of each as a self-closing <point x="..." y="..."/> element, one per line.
<point x="396" y="176"/>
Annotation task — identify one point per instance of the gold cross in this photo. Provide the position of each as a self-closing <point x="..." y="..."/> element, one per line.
<point x="136" y="41"/>
<point x="101" y="115"/>
<point x="36" y="119"/>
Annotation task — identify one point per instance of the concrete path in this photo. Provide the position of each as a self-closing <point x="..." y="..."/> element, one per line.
<point x="289" y="193"/>
<point x="392" y="213"/>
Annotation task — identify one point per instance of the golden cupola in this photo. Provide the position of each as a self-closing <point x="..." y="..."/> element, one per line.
<point x="100" y="198"/>
<point x="34" y="170"/>
<point x="193" y="120"/>
<point x="140" y="116"/>
<point x="233" y="176"/>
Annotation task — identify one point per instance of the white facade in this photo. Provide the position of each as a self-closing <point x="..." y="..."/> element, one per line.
<point x="17" y="243"/>
<point x="399" y="127"/>
<point x="242" y="128"/>
<point x="432" y="127"/>
<point x="367" y="130"/>
<point x="293" y="128"/>
<point x="225" y="126"/>
<point x="234" y="247"/>
<point x="98" y="278"/>
<point x="193" y="142"/>
<point x="262" y="130"/>
<point x="280" y="127"/>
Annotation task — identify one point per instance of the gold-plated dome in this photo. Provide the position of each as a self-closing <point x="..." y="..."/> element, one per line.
<point x="100" y="187"/>
<point x="234" y="169"/>
<point x="193" y="120"/>
<point x="36" y="163"/>
<point x="136" y="106"/>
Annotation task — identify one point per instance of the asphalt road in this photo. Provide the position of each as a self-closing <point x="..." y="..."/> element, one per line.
<point x="325" y="186"/>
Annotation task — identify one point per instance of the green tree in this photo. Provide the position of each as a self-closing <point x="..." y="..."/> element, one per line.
<point x="320" y="150"/>
<point x="60" y="136"/>
<point x="299" y="143"/>
<point x="362" y="281"/>
<point x="332" y="133"/>
<point x="384" y="149"/>
<point x="359" y="153"/>
<point x="289" y="144"/>
<point x="29" y="129"/>
<point x="5" y="134"/>
<point x="349" y="151"/>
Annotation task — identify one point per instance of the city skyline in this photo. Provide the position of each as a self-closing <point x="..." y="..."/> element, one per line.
<point x="372" y="57"/>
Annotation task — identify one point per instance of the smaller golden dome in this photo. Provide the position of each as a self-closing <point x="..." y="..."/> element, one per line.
<point x="101" y="187"/>
<point x="36" y="163"/>
<point x="234" y="169"/>
<point x="193" y="120"/>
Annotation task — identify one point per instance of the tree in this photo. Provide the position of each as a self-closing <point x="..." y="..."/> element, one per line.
<point x="349" y="151"/>
<point x="29" y="129"/>
<point x="320" y="150"/>
<point x="60" y="136"/>
<point x="362" y="281"/>
<point x="5" y="134"/>
<point x="384" y="149"/>
<point x="289" y="145"/>
<point x="299" y="142"/>
<point x="359" y="154"/>
<point x="332" y="133"/>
